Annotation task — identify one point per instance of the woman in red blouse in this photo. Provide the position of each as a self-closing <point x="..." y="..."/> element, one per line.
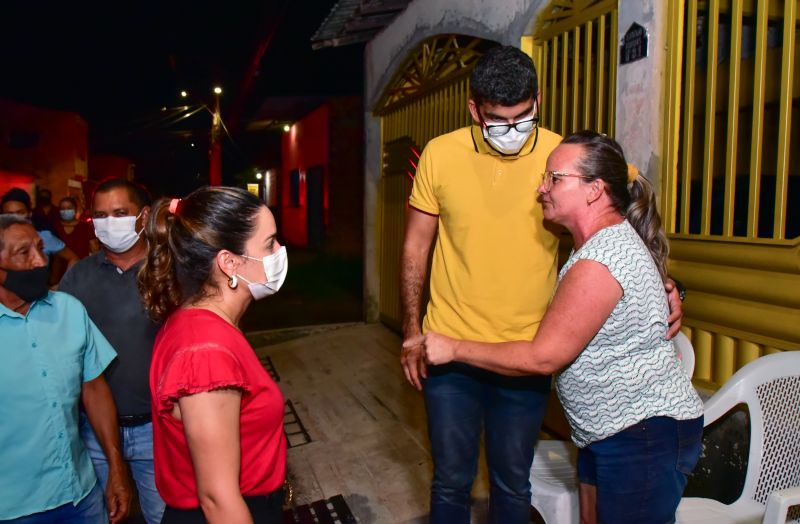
<point x="219" y="446"/>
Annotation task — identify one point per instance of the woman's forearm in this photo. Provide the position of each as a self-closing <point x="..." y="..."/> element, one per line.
<point x="506" y="358"/>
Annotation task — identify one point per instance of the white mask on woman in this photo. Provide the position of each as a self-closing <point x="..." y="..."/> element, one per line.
<point x="118" y="234"/>
<point x="276" y="266"/>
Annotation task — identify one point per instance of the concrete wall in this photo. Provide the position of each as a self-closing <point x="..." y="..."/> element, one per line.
<point x="640" y="89"/>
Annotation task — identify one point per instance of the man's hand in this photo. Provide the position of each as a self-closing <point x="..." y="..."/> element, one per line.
<point x="412" y="358"/>
<point x="119" y="494"/>
<point x="102" y="414"/>
<point x="675" y="308"/>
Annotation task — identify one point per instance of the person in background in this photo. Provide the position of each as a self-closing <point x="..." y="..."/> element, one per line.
<point x="220" y="449"/>
<point x="105" y="283"/>
<point x="45" y="212"/>
<point x="53" y="359"/>
<point x="634" y="414"/>
<point x="76" y="232"/>
<point x="18" y="202"/>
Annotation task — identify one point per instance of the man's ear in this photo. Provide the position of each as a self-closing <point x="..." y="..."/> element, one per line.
<point x="145" y="213"/>
<point x="473" y="110"/>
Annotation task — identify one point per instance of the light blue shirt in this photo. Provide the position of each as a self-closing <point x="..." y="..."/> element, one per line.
<point x="45" y="357"/>
<point x="52" y="244"/>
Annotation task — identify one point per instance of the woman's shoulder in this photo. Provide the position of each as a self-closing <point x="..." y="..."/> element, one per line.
<point x="195" y="327"/>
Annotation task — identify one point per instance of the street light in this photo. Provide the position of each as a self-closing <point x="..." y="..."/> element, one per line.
<point x="259" y="176"/>
<point x="214" y="152"/>
<point x="286" y="128"/>
<point x="184" y="94"/>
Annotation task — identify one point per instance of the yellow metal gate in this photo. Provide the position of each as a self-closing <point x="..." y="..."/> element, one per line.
<point x="731" y="178"/>
<point x="575" y="52"/>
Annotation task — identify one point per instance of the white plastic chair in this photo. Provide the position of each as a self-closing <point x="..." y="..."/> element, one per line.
<point x="778" y="505"/>
<point x="770" y="387"/>
<point x="685" y="351"/>
<point x="554" y="484"/>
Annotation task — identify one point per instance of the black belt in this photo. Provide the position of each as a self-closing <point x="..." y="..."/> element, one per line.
<point x="127" y="421"/>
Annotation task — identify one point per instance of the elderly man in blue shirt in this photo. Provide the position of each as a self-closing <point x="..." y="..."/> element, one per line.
<point x="53" y="358"/>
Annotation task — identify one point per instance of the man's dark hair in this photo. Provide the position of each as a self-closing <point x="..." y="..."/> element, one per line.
<point x="16" y="194"/>
<point x="503" y="76"/>
<point x="138" y="194"/>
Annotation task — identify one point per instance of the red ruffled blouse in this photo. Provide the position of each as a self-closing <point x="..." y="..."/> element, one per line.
<point x="197" y="351"/>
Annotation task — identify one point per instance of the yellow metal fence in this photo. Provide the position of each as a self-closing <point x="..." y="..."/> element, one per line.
<point x="575" y="52"/>
<point x="730" y="177"/>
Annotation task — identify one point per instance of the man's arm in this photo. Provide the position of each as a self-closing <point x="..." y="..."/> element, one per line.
<point x="420" y="231"/>
<point x="102" y="414"/>
<point x="675" y="308"/>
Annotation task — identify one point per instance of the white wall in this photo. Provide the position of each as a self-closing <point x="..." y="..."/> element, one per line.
<point x="640" y="85"/>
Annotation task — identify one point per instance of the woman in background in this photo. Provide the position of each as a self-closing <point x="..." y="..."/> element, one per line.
<point x="77" y="234"/>
<point x="632" y="409"/>
<point x="219" y="446"/>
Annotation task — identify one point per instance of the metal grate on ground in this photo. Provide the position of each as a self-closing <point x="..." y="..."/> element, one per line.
<point x="296" y="433"/>
<point x="326" y="511"/>
<point x="267" y="363"/>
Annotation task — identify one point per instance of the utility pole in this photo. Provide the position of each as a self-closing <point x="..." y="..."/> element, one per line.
<point x="215" y="151"/>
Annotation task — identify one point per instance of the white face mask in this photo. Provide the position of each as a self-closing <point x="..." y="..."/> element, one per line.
<point x="276" y="266"/>
<point x="509" y="144"/>
<point x="118" y="234"/>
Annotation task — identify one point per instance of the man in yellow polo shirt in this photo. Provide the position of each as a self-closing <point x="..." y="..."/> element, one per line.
<point x="494" y="269"/>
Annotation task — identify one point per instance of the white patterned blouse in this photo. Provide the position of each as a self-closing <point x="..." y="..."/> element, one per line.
<point x="628" y="372"/>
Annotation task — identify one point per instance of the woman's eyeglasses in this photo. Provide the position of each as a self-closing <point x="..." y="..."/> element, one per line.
<point x="549" y="177"/>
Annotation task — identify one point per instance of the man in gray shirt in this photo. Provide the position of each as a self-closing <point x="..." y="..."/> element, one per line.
<point x="106" y="285"/>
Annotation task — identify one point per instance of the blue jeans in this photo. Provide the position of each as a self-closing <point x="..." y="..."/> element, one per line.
<point x="137" y="450"/>
<point x="461" y="401"/>
<point x="90" y="510"/>
<point x="640" y="473"/>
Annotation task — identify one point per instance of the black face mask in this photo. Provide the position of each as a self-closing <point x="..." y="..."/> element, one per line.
<point x="29" y="285"/>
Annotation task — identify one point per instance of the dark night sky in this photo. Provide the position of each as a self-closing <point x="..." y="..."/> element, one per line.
<point x="118" y="63"/>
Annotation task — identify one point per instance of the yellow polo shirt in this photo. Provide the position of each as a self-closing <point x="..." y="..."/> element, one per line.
<point x="494" y="263"/>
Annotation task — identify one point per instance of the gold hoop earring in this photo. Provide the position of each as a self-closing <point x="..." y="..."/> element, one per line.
<point x="233" y="282"/>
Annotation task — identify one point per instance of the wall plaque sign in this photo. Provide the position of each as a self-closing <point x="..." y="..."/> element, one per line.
<point x="634" y="44"/>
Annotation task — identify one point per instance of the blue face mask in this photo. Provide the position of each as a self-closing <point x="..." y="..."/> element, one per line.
<point x="67" y="214"/>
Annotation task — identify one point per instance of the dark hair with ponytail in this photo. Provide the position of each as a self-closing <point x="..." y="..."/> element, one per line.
<point x="603" y="159"/>
<point x="184" y="238"/>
